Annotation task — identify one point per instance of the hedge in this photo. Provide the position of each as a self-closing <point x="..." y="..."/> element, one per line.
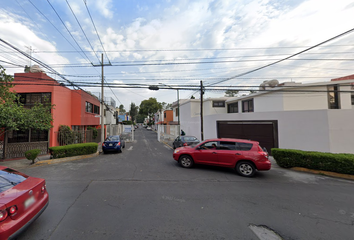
<point x="73" y="150"/>
<point x="333" y="162"/>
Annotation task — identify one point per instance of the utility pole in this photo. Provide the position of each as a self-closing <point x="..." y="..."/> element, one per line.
<point x="179" y="124"/>
<point x="102" y="96"/>
<point x="102" y="108"/>
<point x="201" y="111"/>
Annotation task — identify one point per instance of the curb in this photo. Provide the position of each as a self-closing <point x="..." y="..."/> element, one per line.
<point x="326" y="173"/>
<point x="60" y="160"/>
<point x="167" y="145"/>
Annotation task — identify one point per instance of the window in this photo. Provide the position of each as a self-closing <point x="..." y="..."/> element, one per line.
<point x="333" y="97"/>
<point x="209" y="145"/>
<point x="89" y="107"/>
<point x="30" y="99"/>
<point x="227" y="146"/>
<point x="39" y="135"/>
<point x="18" y="136"/>
<point x="243" y="146"/>
<point x="232" y="108"/>
<point x="176" y="112"/>
<point x="164" y="115"/>
<point x="352" y="99"/>
<point x="96" y="109"/>
<point x="247" y="105"/>
<point x="218" y="104"/>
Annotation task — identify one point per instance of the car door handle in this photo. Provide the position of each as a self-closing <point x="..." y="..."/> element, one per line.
<point x="214" y="152"/>
<point x="238" y="153"/>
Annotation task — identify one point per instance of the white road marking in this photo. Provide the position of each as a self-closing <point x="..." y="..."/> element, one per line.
<point x="131" y="148"/>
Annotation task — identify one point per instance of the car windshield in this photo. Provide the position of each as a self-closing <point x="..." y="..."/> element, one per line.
<point x="114" y="138"/>
<point x="10" y="178"/>
<point x="190" y="139"/>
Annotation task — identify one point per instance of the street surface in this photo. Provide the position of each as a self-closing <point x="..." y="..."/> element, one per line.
<point x="143" y="193"/>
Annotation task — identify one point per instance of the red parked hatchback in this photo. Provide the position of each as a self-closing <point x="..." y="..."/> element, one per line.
<point x="243" y="155"/>
<point x="22" y="200"/>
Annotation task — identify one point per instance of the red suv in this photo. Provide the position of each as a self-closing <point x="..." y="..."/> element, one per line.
<point x="243" y="155"/>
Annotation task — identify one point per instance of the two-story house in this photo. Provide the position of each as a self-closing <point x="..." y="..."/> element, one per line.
<point x="317" y="117"/>
<point x="75" y="108"/>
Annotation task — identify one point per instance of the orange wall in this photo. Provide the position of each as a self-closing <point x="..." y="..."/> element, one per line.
<point x="79" y="114"/>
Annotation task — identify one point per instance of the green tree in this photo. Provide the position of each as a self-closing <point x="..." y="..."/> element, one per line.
<point x="121" y="109"/>
<point x="231" y="93"/>
<point x="149" y="107"/>
<point x="140" y="118"/>
<point x="192" y="97"/>
<point x="13" y="115"/>
<point x="133" y="111"/>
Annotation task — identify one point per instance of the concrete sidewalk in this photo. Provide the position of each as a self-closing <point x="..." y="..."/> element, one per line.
<point x="21" y="163"/>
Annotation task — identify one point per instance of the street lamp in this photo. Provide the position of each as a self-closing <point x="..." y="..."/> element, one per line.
<point x="179" y="126"/>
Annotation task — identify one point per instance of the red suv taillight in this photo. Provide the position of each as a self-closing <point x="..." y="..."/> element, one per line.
<point x="103" y="144"/>
<point x="185" y="144"/>
<point x="118" y="144"/>
<point x="3" y="215"/>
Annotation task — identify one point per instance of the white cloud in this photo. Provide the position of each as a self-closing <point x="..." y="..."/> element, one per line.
<point x="21" y="36"/>
<point x="105" y="7"/>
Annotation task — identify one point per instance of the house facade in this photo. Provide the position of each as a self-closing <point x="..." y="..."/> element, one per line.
<point x="74" y="108"/>
<point x="314" y="117"/>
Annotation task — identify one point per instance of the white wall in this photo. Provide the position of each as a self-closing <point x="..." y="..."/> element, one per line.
<point x="208" y="108"/>
<point x="267" y="102"/>
<point x="341" y="130"/>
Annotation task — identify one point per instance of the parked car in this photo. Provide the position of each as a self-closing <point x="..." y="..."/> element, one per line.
<point x="148" y="128"/>
<point x="243" y="155"/>
<point x="113" y="144"/>
<point x="22" y="200"/>
<point x="181" y="141"/>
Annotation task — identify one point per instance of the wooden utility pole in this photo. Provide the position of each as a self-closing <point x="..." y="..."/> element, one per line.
<point x="201" y="111"/>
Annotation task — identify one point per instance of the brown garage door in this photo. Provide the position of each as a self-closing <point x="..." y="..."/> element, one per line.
<point x="265" y="132"/>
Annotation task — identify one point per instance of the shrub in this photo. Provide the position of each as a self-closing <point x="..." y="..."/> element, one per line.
<point x="127" y="122"/>
<point x="73" y="150"/>
<point x="333" y="162"/>
<point x="32" y="154"/>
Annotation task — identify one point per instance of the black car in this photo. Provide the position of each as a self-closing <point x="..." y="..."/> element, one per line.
<point x="181" y="141"/>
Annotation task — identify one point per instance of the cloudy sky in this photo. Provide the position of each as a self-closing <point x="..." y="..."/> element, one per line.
<point x="178" y="42"/>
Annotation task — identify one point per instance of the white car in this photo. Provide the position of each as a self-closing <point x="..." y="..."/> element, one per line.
<point x="148" y="128"/>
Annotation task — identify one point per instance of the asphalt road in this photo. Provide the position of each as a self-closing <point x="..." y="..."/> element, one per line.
<point x="143" y="193"/>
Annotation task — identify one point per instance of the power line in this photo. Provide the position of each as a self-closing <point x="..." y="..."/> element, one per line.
<point x="281" y="60"/>
<point x="68" y="30"/>
<point x="93" y="23"/>
<point x="82" y="30"/>
<point x="76" y="51"/>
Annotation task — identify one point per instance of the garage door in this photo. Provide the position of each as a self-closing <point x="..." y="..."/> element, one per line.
<point x="264" y="132"/>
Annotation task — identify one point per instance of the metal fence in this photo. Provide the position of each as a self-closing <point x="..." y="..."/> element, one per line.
<point x="81" y="136"/>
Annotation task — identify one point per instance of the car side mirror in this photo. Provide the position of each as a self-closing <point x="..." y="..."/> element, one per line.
<point x="265" y="150"/>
